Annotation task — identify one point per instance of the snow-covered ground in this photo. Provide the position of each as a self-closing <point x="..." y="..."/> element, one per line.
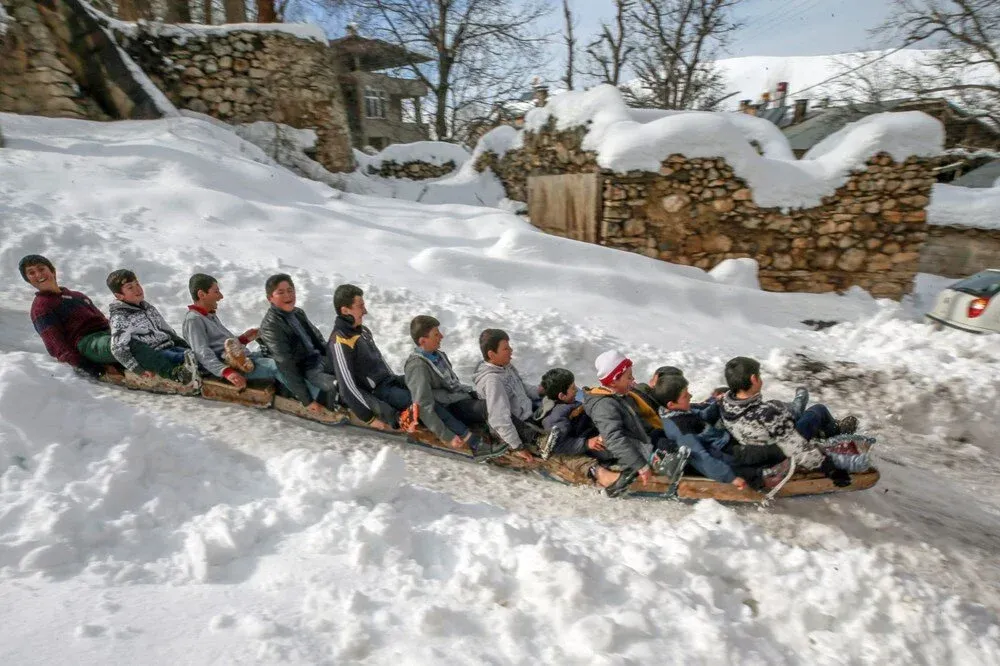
<point x="164" y="530"/>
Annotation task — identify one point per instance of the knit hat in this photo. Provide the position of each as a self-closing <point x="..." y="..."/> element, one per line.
<point x="610" y="366"/>
<point x="33" y="260"/>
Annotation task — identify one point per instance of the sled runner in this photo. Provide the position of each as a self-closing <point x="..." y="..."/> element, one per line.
<point x="569" y="470"/>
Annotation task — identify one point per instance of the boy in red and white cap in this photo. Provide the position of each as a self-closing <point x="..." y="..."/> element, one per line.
<point x="621" y="427"/>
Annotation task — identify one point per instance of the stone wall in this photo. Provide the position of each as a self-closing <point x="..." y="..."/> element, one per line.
<point x="33" y="78"/>
<point x="958" y="252"/>
<point x="698" y="212"/>
<point x="242" y="76"/>
<point x="57" y="60"/>
<point x="414" y="170"/>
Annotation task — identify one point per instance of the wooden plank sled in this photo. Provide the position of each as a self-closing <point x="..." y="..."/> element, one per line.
<point x="570" y="470"/>
<point x="259" y="395"/>
<point x="561" y="468"/>
<point x="154" y="384"/>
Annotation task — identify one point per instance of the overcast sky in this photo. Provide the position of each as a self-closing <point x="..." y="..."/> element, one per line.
<point x="772" y="27"/>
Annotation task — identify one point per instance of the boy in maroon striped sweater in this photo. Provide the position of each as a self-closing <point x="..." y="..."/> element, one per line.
<point x="73" y="329"/>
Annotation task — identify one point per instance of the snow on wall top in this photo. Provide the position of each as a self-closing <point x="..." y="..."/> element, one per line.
<point x="623" y="143"/>
<point x="183" y="31"/>
<point x="431" y="152"/>
<point x="4" y="19"/>
<point x="956" y="206"/>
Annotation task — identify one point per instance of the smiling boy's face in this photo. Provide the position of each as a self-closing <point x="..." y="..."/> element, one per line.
<point x="283" y="297"/>
<point x="131" y="293"/>
<point x="41" y="277"/>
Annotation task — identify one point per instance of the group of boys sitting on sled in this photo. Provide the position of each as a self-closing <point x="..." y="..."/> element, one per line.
<point x="619" y="431"/>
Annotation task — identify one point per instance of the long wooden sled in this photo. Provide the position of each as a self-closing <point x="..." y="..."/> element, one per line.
<point x="564" y="469"/>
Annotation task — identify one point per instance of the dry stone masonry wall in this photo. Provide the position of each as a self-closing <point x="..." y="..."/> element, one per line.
<point x="414" y="170"/>
<point x="242" y="76"/>
<point x="957" y="252"/>
<point x="867" y="233"/>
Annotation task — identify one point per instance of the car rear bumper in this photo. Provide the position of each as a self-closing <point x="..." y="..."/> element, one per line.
<point x="938" y="320"/>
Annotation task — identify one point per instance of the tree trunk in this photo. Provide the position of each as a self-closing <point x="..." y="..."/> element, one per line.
<point x="441" y="112"/>
<point x="266" y="12"/>
<point x="236" y="11"/>
<point x="178" y="11"/>
<point x="209" y="18"/>
<point x="127" y="10"/>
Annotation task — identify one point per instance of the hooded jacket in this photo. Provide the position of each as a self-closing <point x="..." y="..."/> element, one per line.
<point x="506" y="396"/>
<point x="359" y="365"/>
<point x="572" y="421"/>
<point x="754" y="422"/>
<point x="279" y="341"/>
<point x="431" y="383"/>
<point x="621" y="427"/>
<point x="142" y="323"/>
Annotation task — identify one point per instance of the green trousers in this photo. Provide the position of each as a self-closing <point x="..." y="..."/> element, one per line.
<point x="96" y="347"/>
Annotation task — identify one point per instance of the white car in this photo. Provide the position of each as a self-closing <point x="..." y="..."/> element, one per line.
<point x="971" y="304"/>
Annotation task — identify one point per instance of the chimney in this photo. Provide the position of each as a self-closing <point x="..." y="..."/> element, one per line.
<point x="782" y="92"/>
<point x="540" y="91"/>
<point x="765" y="99"/>
<point x="801" y="108"/>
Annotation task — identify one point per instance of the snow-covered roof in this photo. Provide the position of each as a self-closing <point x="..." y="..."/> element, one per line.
<point x="626" y="139"/>
<point x="987" y="175"/>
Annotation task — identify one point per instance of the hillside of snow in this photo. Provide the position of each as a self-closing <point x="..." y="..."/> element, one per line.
<point x="162" y="530"/>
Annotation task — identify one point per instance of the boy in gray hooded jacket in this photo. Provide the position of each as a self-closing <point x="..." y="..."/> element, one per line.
<point x="448" y="407"/>
<point x="510" y="403"/>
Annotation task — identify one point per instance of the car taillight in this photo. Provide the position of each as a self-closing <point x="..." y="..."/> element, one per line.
<point x="977" y="307"/>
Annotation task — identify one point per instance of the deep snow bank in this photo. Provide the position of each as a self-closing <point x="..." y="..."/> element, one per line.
<point x="956" y="206"/>
<point x="118" y="496"/>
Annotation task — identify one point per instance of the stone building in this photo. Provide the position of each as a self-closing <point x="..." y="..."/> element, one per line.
<point x="381" y="109"/>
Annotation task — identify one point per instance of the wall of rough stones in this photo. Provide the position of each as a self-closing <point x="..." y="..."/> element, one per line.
<point x="698" y="212"/>
<point x="958" y="252"/>
<point x="242" y="76"/>
<point x="34" y="79"/>
<point x="57" y="60"/>
<point x="414" y="170"/>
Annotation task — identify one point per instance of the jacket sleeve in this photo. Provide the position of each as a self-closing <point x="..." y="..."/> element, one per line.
<point x="121" y="336"/>
<point x="418" y="380"/>
<point x="281" y="351"/>
<point x="161" y="324"/>
<point x="47" y="325"/>
<point x="701" y="459"/>
<point x="491" y="390"/>
<point x="627" y="449"/>
<point x="559" y="418"/>
<point x="196" y="333"/>
<point x="708" y="411"/>
<point x="357" y="399"/>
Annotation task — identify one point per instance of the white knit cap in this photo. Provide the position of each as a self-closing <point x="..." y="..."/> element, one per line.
<point x="610" y="365"/>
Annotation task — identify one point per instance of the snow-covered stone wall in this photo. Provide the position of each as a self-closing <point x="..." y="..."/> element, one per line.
<point x="867" y="232"/>
<point x="243" y="74"/>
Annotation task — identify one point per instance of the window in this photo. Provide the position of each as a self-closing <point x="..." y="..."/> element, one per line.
<point x="376" y="103"/>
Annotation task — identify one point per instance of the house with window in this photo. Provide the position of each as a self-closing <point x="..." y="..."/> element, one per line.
<point x="381" y="109"/>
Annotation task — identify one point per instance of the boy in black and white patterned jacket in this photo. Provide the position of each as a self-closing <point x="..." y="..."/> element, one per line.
<point x="756" y="422"/>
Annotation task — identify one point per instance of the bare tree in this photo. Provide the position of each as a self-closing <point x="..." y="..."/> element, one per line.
<point x="479" y="48"/>
<point x="864" y="79"/>
<point x="236" y="11"/>
<point x="609" y="52"/>
<point x="675" y="42"/>
<point x="967" y="66"/>
<point x="570" y="41"/>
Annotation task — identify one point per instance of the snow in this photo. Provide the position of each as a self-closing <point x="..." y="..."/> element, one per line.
<point x="957" y="206"/>
<point x="623" y="143"/>
<point x="163" y="530"/>
<point x="4" y="21"/>
<point x="740" y="272"/>
<point x="437" y="153"/>
<point x="181" y="32"/>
